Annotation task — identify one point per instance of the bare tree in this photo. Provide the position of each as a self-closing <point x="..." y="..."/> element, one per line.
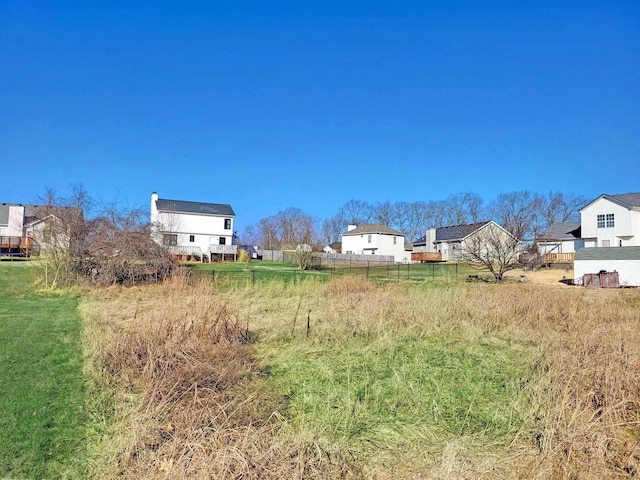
<point x="494" y="249"/>
<point x="269" y="233"/>
<point x="464" y="208"/>
<point x="518" y="213"/>
<point x="332" y="228"/>
<point x="296" y="227"/>
<point x="357" y="212"/>
<point x="558" y="207"/>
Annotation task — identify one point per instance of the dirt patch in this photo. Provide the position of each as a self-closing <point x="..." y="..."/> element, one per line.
<point x="546" y="276"/>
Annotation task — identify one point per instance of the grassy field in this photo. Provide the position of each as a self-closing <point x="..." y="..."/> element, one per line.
<point x="344" y="377"/>
<point x="349" y="378"/>
<point x="41" y="380"/>
<point x="267" y="271"/>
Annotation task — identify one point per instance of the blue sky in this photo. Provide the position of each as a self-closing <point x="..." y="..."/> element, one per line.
<point x="273" y="104"/>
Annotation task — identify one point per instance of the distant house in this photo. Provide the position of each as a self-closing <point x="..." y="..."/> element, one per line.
<point x="193" y="228"/>
<point x="25" y="229"/>
<point x="611" y="221"/>
<point x="561" y="238"/>
<point x="623" y="260"/>
<point x="450" y="241"/>
<point x="374" y="239"/>
<point x="334" y="248"/>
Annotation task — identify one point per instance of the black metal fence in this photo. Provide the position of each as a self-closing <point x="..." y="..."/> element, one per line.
<point x="382" y="273"/>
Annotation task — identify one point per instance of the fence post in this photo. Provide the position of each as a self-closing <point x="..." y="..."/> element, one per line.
<point x="294" y="277"/>
<point x="367" y="269"/>
<point x="253" y="277"/>
<point x="456" y="269"/>
<point x="408" y="275"/>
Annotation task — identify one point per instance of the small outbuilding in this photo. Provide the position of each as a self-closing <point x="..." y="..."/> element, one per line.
<point x="623" y="260"/>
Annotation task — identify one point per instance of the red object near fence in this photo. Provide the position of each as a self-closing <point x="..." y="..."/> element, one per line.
<point x="601" y="279"/>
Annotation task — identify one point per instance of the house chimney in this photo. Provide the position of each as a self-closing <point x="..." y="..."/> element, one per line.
<point x="430" y="238"/>
<point x="154" y="208"/>
<point x="351" y="227"/>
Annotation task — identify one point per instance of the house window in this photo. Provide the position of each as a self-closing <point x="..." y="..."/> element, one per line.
<point x="170" y="239"/>
<point x="227" y="224"/>
<point x="395" y="240"/>
<point x="607" y="220"/>
<point x="610" y="222"/>
<point x="369" y="238"/>
<point x="192" y="238"/>
<point x="223" y="241"/>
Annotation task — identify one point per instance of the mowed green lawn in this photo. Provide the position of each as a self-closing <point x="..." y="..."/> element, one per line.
<point x="41" y="381"/>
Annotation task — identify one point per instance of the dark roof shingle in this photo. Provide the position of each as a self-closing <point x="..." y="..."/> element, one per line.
<point x="201" y="208"/>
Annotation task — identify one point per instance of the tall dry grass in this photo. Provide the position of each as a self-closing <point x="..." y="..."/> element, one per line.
<point x="191" y="397"/>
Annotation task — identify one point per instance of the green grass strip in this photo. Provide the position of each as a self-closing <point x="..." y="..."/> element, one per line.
<point x="41" y="381"/>
<point x="360" y="390"/>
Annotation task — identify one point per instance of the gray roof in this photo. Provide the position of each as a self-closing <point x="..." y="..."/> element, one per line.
<point x="452" y="233"/>
<point x="183" y="206"/>
<point x="631" y="199"/>
<point x="29" y="211"/>
<point x="373" y="228"/>
<point x="562" y="231"/>
<point x="608" y="253"/>
<point x="628" y="200"/>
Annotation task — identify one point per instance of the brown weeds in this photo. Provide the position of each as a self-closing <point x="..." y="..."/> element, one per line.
<point x="192" y="401"/>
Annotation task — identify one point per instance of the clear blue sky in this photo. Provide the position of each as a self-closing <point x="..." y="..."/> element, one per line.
<point x="272" y="104"/>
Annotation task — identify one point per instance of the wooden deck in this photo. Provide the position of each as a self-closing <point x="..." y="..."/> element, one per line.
<point x="559" y="257"/>
<point x="426" y="257"/>
<point x="10" y="245"/>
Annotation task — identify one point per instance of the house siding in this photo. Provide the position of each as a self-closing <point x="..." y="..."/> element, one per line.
<point x="625" y="229"/>
<point x="207" y="230"/>
<point x="624" y="260"/>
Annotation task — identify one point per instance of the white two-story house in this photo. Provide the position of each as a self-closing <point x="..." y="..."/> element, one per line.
<point x="611" y="221"/>
<point x="610" y="227"/>
<point x="374" y="239"/>
<point x="193" y="228"/>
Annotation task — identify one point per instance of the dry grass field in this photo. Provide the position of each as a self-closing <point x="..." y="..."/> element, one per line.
<point x="345" y="379"/>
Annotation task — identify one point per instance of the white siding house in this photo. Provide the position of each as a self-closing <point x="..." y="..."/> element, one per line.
<point x="611" y="221"/>
<point x="375" y="239"/>
<point x="193" y="228"/>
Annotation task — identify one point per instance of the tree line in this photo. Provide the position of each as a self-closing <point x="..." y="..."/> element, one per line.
<point x="525" y="214"/>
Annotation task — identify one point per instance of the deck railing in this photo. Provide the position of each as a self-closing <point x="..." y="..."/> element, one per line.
<point x="559" y="257"/>
<point x="426" y="256"/>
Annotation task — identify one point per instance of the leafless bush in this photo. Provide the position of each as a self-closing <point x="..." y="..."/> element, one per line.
<point x="113" y="247"/>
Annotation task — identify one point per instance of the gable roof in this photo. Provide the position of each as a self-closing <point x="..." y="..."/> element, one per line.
<point x="457" y="232"/>
<point x="628" y="200"/>
<point x="608" y="253"/>
<point x="562" y="231"/>
<point x="373" y="228"/>
<point x="183" y="206"/>
<point x="453" y="232"/>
